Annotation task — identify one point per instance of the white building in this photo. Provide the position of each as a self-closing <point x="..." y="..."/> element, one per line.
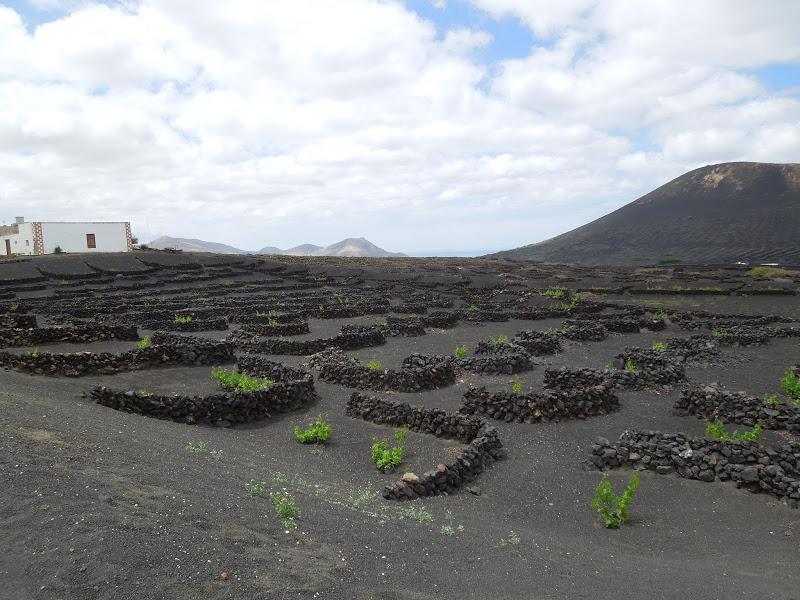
<point x="40" y="237"/>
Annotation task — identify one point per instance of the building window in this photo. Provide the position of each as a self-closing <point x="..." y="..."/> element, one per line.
<point x="27" y="242"/>
<point x="90" y="242"/>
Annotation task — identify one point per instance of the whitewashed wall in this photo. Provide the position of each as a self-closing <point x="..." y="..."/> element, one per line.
<point x="71" y="237"/>
<point x="21" y="243"/>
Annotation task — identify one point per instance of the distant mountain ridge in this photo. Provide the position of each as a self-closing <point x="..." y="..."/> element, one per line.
<point x="359" y="247"/>
<point x="724" y="213"/>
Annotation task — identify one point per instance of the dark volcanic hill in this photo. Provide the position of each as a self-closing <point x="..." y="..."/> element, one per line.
<point x="722" y="213"/>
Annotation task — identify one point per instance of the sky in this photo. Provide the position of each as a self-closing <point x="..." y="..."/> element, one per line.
<point x="427" y="126"/>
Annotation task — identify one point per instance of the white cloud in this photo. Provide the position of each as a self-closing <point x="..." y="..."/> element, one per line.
<point x="275" y="123"/>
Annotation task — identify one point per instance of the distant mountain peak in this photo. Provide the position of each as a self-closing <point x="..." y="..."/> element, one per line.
<point x="357" y="247"/>
<point x="723" y="213"/>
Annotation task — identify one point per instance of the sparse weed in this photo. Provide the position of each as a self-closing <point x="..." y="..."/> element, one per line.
<point x="374" y="365"/>
<point x="216" y="455"/>
<point x="144" y="393"/>
<point x="280" y="479"/>
<point x="472" y="308"/>
<point x="659" y="346"/>
<point x="461" y="352"/>
<point x="769" y="272"/>
<point x="771" y="400"/>
<point x="449" y="528"/>
<point x="318" y="432"/>
<point x="566" y="328"/>
<point x="231" y="380"/>
<point x="553" y="292"/>
<point x="183" y="319"/>
<point x="678" y="288"/>
<point x="197" y="448"/>
<point x="255" y="488"/>
<point x="513" y="539"/>
<point x="717" y="333"/>
<point x="357" y="499"/>
<point x="613" y="510"/>
<point x="285" y="508"/>
<point x="144" y="343"/>
<point x="420" y="515"/>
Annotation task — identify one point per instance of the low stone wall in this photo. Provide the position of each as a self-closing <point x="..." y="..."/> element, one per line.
<point x="223" y="409"/>
<point x="618" y="325"/>
<point x="336" y="367"/>
<point x="539" y="343"/>
<point x="741" y="335"/>
<point x="79" y="334"/>
<point x="345" y="341"/>
<point x="483" y="449"/>
<point x="566" y="378"/>
<point x="14" y="320"/>
<point x="265" y="329"/>
<point x="585" y="331"/>
<point x="434" y="421"/>
<point x="712" y="402"/>
<point x="440" y="319"/>
<point x="698" y="347"/>
<point x="193" y="325"/>
<point x="391" y="327"/>
<point x="80" y="364"/>
<point x="546" y="406"/>
<point x="507" y="362"/>
<point x="749" y="464"/>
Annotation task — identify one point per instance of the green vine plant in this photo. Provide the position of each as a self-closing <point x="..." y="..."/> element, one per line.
<point x="791" y="385"/>
<point x="386" y="458"/>
<point x="716" y="430"/>
<point x="461" y="352"/>
<point x="318" y="432"/>
<point x="613" y="510"/>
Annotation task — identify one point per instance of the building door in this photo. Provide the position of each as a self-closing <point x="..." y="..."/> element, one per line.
<point x="90" y="241"/>
<point x="8" y="247"/>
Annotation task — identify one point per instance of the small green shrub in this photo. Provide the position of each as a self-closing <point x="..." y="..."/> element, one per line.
<point x="386" y="458"/>
<point x="183" y="319"/>
<point x="374" y="365"/>
<point x="318" y="432"/>
<point x="285" y="508"/>
<point x="661" y="314"/>
<point x="58" y="250"/>
<point x="771" y="400"/>
<point x="500" y="340"/>
<point x="678" y="288"/>
<point x="659" y="346"/>
<point x="255" y="488"/>
<point x="566" y="328"/>
<point x="461" y="352"/>
<point x="516" y="387"/>
<point x="630" y="366"/>
<point x="716" y="431"/>
<point x="231" y="380"/>
<point x="14" y="306"/>
<point x="613" y="510"/>
<point x="144" y="343"/>
<point x="472" y="308"/>
<point x="791" y="385"/>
